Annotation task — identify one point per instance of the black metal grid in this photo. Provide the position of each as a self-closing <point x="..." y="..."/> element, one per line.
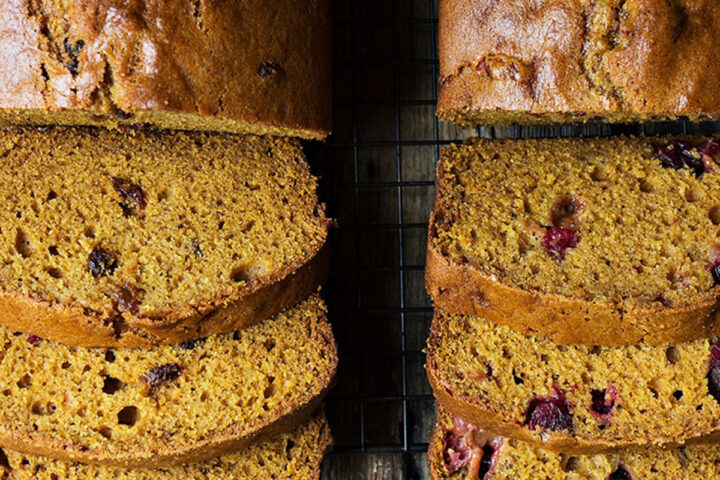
<point x="378" y="172"/>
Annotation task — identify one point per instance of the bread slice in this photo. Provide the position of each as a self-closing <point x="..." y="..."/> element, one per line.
<point x="459" y="451"/>
<point x="288" y="456"/>
<point x="141" y="238"/>
<point x="576" y="399"/>
<point x="553" y="62"/>
<point x="172" y="64"/>
<point x="168" y="405"/>
<point x="602" y="241"/>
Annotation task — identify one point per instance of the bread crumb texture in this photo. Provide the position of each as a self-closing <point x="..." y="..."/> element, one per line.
<point x="574" y="398"/>
<point x="293" y="455"/>
<point x="641" y="234"/>
<point x="165" y="405"/>
<point x="152" y="224"/>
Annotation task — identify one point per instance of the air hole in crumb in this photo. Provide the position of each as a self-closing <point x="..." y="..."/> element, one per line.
<point x="25" y="381"/>
<point x="65" y="365"/>
<point x="646" y="186"/>
<point x="128" y="416"/>
<point x="240" y="274"/>
<point x="269" y="344"/>
<point x="52" y="195"/>
<point x="105" y="432"/>
<point x="54" y="272"/>
<point x="204" y="397"/>
<point x="42" y="409"/>
<point x="672" y="354"/>
<point x="4" y="460"/>
<point x="22" y="244"/>
<point x="111" y="385"/>
<point x="53" y="250"/>
<point x="89" y="232"/>
<point x="599" y="173"/>
<point x="571" y="464"/>
<point x="693" y="195"/>
<point x="715" y="215"/>
<point x="109" y="356"/>
<point x="678" y="394"/>
<point x="596" y="350"/>
<point x="270" y="391"/>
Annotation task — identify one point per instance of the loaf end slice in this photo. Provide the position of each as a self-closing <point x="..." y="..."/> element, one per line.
<point x="522" y="62"/>
<point x="169" y="405"/>
<point x="143" y="238"/>
<point x="606" y="241"/>
<point x="169" y="64"/>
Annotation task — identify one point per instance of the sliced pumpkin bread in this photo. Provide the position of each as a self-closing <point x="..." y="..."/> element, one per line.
<point x="141" y="238"/>
<point x="598" y="241"/>
<point x="169" y="405"/>
<point x="574" y="398"/>
<point x="460" y="451"/>
<point x="288" y="456"/>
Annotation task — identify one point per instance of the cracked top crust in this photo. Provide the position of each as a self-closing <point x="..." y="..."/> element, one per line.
<point x="578" y="60"/>
<point x="252" y="66"/>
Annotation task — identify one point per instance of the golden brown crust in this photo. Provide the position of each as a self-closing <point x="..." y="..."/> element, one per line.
<point x="213" y="444"/>
<point x="491" y="418"/>
<point x="464" y="289"/>
<point x="74" y="325"/>
<point x="257" y="67"/>
<point x="558" y="61"/>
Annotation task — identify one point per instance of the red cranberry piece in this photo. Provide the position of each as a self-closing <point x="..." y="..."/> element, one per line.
<point x="557" y="240"/>
<point x="268" y="69"/>
<point x="710" y="147"/>
<point x="713" y="376"/>
<point x="603" y="403"/>
<point x="101" y="263"/>
<point x="676" y="154"/>
<point x="33" y="339"/>
<point x="715" y="270"/>
<point x="620" y="474"/>
<point x="161" y="374"/>
<point x="456" y="453"/>
<point x="481" y="66"/>
<point x="131" y="193"/>
<point x="549" y="413"/>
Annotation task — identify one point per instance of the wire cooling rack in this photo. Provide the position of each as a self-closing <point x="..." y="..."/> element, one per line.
<point x="378" y="173"/>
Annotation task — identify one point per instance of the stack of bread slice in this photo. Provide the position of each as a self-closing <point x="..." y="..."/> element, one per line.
<point x="162" y="240"/>
<point x="576" y="292"/>
<point x="576" y="281"/>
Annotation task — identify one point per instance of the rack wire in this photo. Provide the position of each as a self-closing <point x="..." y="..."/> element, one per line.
<point x="378" y="173"/>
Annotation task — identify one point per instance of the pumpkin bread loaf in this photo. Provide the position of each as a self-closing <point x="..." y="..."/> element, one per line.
<point x="559" y="61"/>
<point x="459" y="451"/>
<point x="611" y="241"/>
<point x="244" y="67"/>
<point x="295" y="455"/>
<point x="578" y="399"/>
<point x="142" y="238"/>
<point x="168" y="405"/>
